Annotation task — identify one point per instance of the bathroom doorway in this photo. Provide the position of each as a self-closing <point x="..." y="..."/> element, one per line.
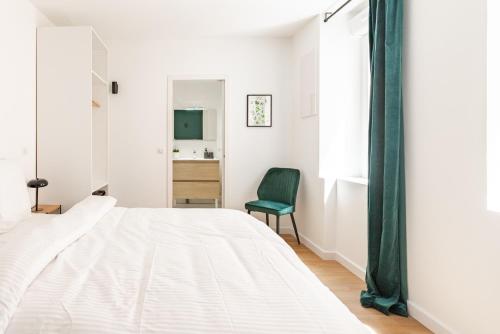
<point x="196" y="163"/>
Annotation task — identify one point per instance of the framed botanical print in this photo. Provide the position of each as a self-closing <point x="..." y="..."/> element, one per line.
<point x="259" y="110"/>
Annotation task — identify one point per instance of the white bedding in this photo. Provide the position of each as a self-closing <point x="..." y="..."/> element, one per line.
<point x="160" y="271"/>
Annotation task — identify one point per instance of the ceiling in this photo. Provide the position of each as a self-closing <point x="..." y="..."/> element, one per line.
<point x="165" y="19"/>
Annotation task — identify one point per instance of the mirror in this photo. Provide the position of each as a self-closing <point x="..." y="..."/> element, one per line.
<point x="195" y="124"/>
<point x="188" y="124"/>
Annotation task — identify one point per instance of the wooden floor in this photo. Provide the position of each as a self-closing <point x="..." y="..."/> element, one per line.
<point x="347" y="288"/>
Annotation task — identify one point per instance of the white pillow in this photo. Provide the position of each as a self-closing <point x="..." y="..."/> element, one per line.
<point x="15" y="203"/>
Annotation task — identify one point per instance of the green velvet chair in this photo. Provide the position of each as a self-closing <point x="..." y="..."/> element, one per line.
<point x="277" y="194"/>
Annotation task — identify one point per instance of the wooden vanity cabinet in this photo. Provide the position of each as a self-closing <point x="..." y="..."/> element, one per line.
<point x="196" y="179"/>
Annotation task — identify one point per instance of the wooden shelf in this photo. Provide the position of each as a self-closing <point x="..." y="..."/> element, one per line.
<point x="95" y="104"/>
<point x="48" y="209"/>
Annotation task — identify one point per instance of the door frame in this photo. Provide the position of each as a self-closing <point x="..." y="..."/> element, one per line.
<point x="170" y="134"/>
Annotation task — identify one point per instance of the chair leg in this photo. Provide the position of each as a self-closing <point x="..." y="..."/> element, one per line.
<point x="295" y="228"/>
<point x="248" y="211"/>
<point x="278" y="225"/>
<point x="267" y="219"/>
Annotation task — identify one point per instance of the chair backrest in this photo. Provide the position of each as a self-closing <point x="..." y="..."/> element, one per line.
<point x="280" y="185"/>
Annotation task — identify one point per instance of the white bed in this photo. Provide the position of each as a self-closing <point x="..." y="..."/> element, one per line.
<point x="104" y="269"/>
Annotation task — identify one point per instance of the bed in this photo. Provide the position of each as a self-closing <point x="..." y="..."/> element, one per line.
<point x="103" y="269"/>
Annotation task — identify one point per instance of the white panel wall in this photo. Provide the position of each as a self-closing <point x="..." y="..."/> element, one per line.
<point x="138" y="112"/>
<point x="18" y="23"/>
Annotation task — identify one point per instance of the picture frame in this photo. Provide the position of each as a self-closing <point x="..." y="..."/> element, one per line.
<point x="259" y="110"/>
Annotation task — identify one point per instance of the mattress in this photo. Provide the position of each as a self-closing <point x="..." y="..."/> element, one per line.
<point x="105" y="269"/>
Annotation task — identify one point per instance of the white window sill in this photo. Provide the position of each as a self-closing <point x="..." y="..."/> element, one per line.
<point x="353" y="179"/>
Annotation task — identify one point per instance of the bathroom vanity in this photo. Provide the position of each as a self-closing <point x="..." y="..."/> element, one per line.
<point x="196" y="179"/>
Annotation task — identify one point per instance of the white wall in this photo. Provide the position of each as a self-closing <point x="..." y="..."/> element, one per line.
<point x="341" y="100"/>
<point x="493" y="106"/>
<point x="453" y="246"/>
<point x="209" y="95"/>
<point x="320" y="143"/>
<point x="18" y="23"/>
<point x="351" y="230"/>
<point x="304" y="151"/>
<point x="138" y="112"/>
<point x="453" y="243"/>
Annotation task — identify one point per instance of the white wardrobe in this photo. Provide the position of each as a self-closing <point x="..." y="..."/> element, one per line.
<point x="72" y="114"/>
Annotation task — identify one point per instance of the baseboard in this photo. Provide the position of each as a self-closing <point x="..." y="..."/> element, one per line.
<point x="328" y="255"/>
<point x="417" y="312"/>
<point x="428" y="320"/>
<point x="323" y="254"/>
<point x="351" y="266"/>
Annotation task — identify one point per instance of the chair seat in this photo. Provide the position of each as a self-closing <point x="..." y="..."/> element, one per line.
<point x="274" y="208"/>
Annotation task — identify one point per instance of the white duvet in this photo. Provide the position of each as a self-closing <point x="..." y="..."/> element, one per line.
<point x="101" y="269"/>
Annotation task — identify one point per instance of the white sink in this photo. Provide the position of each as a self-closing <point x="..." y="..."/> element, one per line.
<point x="190" y="159"/>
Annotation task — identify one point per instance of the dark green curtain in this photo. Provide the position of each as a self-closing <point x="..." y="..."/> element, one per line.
<point x="386" y="276"/>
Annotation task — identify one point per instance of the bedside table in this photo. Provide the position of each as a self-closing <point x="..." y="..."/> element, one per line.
<point x="50" y="209"/>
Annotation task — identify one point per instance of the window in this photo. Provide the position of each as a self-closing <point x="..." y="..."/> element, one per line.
<point x="358" y="118"/>
<point x="344" y="84"/>
<point x="365" y="105"/>
<point x="493" y="115"/>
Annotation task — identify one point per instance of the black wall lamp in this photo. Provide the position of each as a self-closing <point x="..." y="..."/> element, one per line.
<point x="114" y="87"/>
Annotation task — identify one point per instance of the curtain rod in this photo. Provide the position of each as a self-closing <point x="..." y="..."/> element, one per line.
<point x="329" y="15"/>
